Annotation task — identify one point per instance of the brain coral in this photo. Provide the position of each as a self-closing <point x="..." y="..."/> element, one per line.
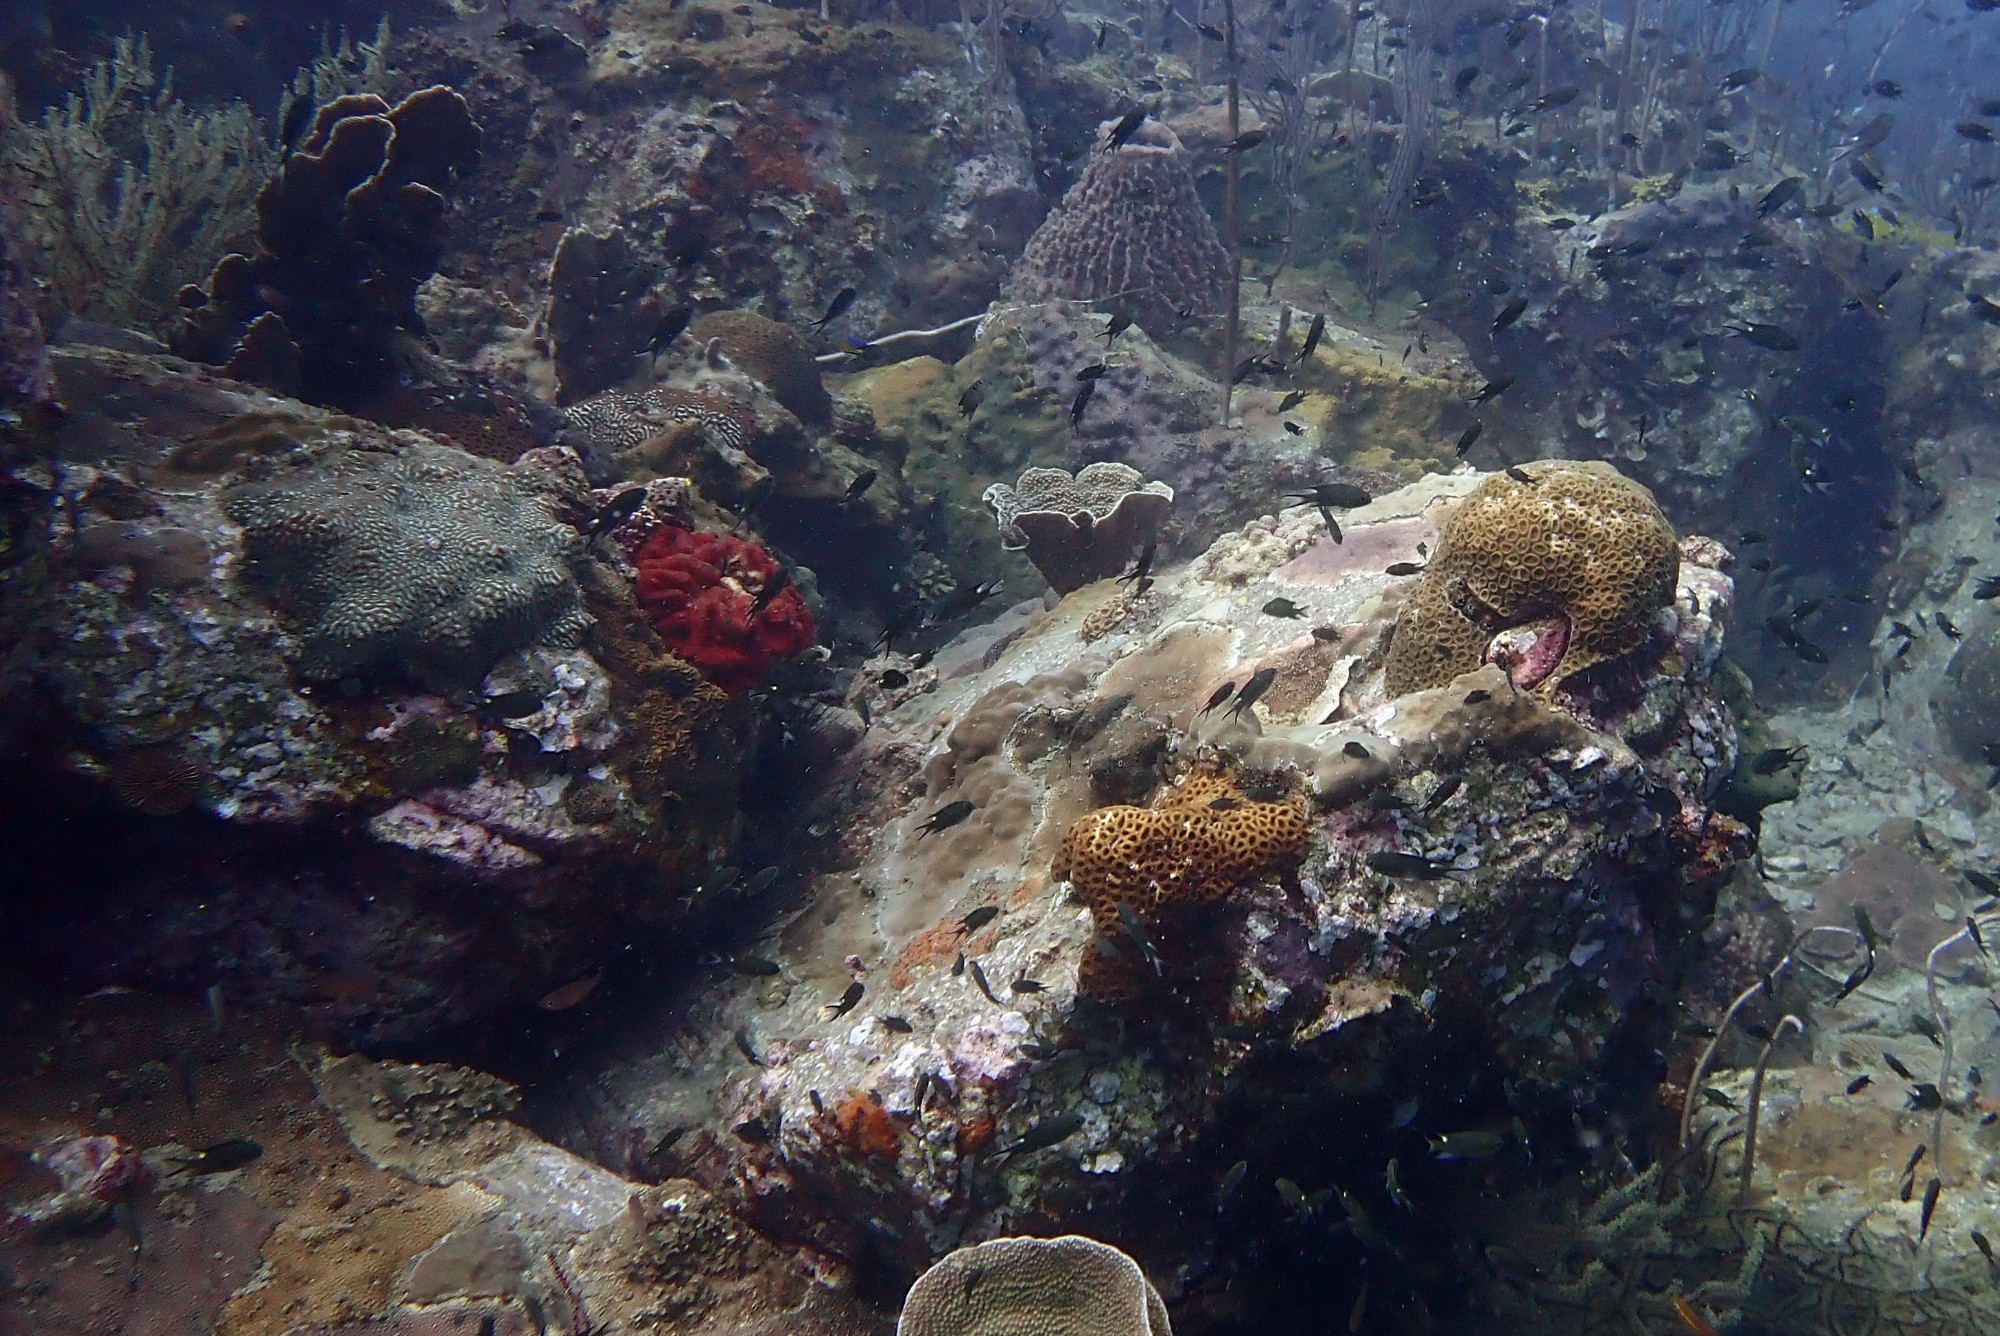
<point x="618" y="421"/>
<point x="1572" y="565"/>
<point x="700" y="589"/>
<point x="427" y="560"/>
<point x="1068" y="1286"/>
<point x="1082" y="528"/>
<point x="775" y="355"/>
<point x="1133" y="225"/>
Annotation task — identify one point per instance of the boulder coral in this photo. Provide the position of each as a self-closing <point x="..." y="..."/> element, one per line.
<point x="702" y="591"/>
<point x="1068" y="1286"/>
<point x="774" y="354"/>
<point x="1547" y="577"/>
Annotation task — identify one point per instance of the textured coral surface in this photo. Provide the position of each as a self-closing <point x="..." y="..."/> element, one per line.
<point x="1580" y="541"/>
<point x="1134" y="228"/>
<point x="429" y="561"/>
<point x="619" y="421"/>
<point x="775" y="354"/>
<point x="1069" y="1286"/>
<point x="701" y="590"/>
<point x="1081" y="528"/>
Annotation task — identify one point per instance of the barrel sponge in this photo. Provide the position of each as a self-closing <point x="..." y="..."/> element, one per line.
<point x="425" y="560"/>
<point x="1196" y="844"/>
<point x="1067" y="1286"/>
<point x="772" y="353"/>
<point x="1579" y="540"/>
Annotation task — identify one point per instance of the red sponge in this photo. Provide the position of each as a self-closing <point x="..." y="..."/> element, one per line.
<point x="700" y="588"/>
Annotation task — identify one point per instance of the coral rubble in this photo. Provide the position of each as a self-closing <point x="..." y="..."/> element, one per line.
<point x="1574" y="563"/>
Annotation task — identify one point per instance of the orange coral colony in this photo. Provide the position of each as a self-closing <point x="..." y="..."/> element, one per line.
<point x="866" y="1128"/>
<point x="1195" y="845"/>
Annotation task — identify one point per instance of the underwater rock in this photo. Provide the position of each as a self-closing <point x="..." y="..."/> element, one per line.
<point x="1573" y="565"/>
<point x="348" y="230"/>
<point x="1132" y="233"/>
<point x="1067" y="1286"/>
<point x="1483" y="871"/>
<point x="1080" y="528"/>
<point x="601" y="312"/>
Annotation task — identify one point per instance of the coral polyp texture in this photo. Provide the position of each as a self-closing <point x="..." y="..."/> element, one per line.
<point x="618" y="421"/>
<point x="702" y="591"/>
<point x="427" y="561"/>
<point x="1132" y="229"/>
<point x="347" y="231"/>
<point x="772" y="353"/>
<point x="1080" y="528"/>
<point x="1546" y="577"/>
<point x="1068" y="1286"/>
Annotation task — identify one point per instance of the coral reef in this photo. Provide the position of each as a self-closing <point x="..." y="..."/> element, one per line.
<point x="124" y="191"/>
<point x="601" y="311"/>
<point x="772" y="353"/>
<point x="428" y="561"/>
<point x="1573" y="565"/>
<point x="347" y="231"/>
<point x="1066" y="1286"/>
<point x="620" y="423"/>
<point x="704" y="592"/>
<point x="1080" y="528"/>
<point x="1132" y="233"/>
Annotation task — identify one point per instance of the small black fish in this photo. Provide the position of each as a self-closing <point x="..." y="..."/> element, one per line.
<point x="1095" y="371"/>
<point x="298" y="114"/>
<point x="1082" y="400"/>
<point x="1520" y="475"/>
<point x="511" y="705"/>
<point x="848" y="1001"/>
<point x="1493" y="389"/>
<point x="1446" y="786"/>
<point x="1859" y="1083"/>
<point x="1291" y="401"/>
<point x="945" y="817"/>
<point x="1976" y="131"/>
<point x="862" y="482"/>
<point x="1888" y="88"/>
<point x="979" y="977"/>
<point x="1341" y="495"/>
<point x="1774" y="338"/>
<point x="973" y="395"/>
<point x="1312" y="338"/>
<point x="753" y="967"/>
<point x="1046" y="1133"/>
<point x="1127" y="126"/>
<point x="1282" y="607"/>
<point x="1865" y="173"/>
<point x="1219" y="695"/>
<point x="774" y="585"/>
<point x="1944" y="624"/>
<point x="979" y="918"/>
<point x="1467" y="437"/>
<point x="1120" y="322"/>
<point x="1510" y="312"/>
<point x="1463" y="80"/>
<point x="1478" y="696"/>
<point x="1779" y="195"/>
<point x="1211" y="32"/>
<point x="1294" y="429"/>
<point x="615" y="512"/>
<point x="1988" y="588"/>
<point x="1403" y="568"/>
<point x="895" y="1024"/>
<point x="836" y="308"/>
<point x="1556" y="97"/>
<point x="1026" y="985"/>
<point x="1246" y="141"/>
<point x="894" y="678"/>
<point x="224" y="1156"/>
<point x="1356" y="751"/>
<point x="1987" y="1249"/>
<point x="1143" y="567"/>
<point x="1931" y="1191"/>
<point x="1332" y="525"/>
<point x="1736" y="80"/>
<point x="1895" y="1065"/>
<point x="1391" y="863"/>
<point x="669" y="327"/>
<point x="1253" y="690"/>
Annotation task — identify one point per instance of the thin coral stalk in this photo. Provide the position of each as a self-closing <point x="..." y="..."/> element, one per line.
<point x="1756" y="1104"/>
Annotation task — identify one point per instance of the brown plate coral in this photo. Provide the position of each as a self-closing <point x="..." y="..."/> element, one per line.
<point x="1546" y="577"/>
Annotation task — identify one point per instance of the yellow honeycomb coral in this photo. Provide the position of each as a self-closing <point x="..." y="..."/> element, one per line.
<point x="1577" y="560"/>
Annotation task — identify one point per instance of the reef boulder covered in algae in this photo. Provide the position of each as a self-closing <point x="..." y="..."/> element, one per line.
<point x="1469" y="867"/>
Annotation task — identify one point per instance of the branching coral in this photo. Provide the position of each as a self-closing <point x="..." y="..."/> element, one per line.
<point x="1082" y="528"/>
<point x="1567" y="569"/>
<point x="125" y="190"/>
<point x="430" y="560"/>
<point x="703" y="592"/>
<point x="1131" y="233"/>
<point x="1068" y="1286"/>
<point x="347" y="231"/>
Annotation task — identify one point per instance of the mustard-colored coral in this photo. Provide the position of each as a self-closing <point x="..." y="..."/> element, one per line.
<point x="1198" y="843"/>
<point x="1579" y="540"/>
<point x="772" y="353"/>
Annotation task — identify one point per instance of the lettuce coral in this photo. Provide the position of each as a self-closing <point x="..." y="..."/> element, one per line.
<point x="702" y="590"/>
